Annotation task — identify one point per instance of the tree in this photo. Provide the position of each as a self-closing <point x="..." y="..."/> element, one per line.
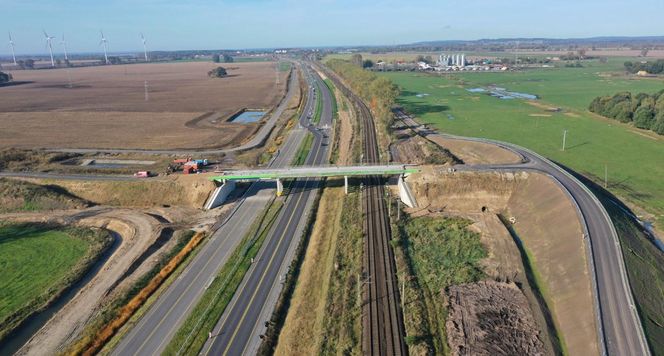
<point x="368" y="63"/>
<point x="218" y="72"/>
<point x="644" y="117"/>
<point x="5" y="77"/>
<point x="644" y="52"/>
<point x="216" y="58"/>
<point x="658" y="126"/>
<point x="357" y="59"/>
<point x="228" y="59"/>
<point x="29" y="64"/>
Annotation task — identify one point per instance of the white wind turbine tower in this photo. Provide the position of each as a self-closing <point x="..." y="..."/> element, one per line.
<point x="145" y="47"/>
<point x="49" y="39"/>
<point x="11" y="44"/>
<point x="64" y="45"/>
<point x="103" y="42"/>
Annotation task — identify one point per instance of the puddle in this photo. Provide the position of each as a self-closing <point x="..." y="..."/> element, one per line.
<point x="503" y="93"/>
<point x="421" y="95"/>
<point x="246" y="117"/>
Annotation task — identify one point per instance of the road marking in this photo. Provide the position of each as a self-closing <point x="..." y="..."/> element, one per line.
<point x="169" y="311"/>
<point x="260" y="282"/>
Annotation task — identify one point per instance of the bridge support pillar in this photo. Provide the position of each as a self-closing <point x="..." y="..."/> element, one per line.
<point x="346" y="184"/>
<point x="280" y="187"/>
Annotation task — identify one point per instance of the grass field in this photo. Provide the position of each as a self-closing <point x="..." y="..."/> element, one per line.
<point x="105" y="106"/>
<point x="632" y="157"/>
<point x="440" y="252"/>
<point x="38" y="262"/>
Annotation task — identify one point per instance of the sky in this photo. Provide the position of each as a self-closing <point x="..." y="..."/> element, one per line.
<point x="241" y="24"/>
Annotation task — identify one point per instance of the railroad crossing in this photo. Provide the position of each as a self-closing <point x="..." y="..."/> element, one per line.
<point x="228" y="178"/>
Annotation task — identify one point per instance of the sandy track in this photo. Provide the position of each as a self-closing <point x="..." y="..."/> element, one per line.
<point x="137" y="230"/>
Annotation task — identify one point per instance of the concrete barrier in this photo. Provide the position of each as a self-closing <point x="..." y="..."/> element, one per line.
<point x="405" y="194"/>
<point x="220" y="194"/>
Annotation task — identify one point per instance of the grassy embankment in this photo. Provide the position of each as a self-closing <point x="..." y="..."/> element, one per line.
<point x="633" y="157"/>
<point x="431" y="255"/>
<point x="16" y="195"/>
<point x="39" y="262"/>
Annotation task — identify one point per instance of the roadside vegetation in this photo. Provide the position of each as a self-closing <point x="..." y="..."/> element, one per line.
<point x="39" y="262"/>
<point x="433" y="254"/>
<point x="645" y="269"/>
<point x="17" y="195"/>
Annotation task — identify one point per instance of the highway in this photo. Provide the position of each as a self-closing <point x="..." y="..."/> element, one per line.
<point x="620" y="331"/>
<point x="158" y="325"/>
<point x="239" y="329"/>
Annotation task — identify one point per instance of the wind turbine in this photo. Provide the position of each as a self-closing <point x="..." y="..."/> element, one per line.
<point x="49" y="39"/>
<point x="11" y="44"/>
<point x="103" y="42"/>
<point x="64" y="45"/>
<point x="145" y="47"/>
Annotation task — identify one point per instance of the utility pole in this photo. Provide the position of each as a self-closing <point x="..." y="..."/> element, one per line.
<point x="564" y="138"/>
<point x="398" y="209"/>
<point x="606" y="176"/>
<point x="147" y="95"/>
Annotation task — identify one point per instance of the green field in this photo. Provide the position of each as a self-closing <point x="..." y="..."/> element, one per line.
<point x="634" y="159"/>
<point x="37" y="263"/>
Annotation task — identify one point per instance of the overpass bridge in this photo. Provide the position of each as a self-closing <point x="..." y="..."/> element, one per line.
<point x="228" y="178"/>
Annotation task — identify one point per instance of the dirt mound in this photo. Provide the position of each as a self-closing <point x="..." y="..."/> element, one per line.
<point x="16" y="195"/>
<point x="188" y="191"/>
<point x="491" y="318"/>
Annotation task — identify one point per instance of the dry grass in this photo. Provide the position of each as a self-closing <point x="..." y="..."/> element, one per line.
<point x="105" y="106"/>
<point x="307" y="308"/>
<point x="191" y="191"/>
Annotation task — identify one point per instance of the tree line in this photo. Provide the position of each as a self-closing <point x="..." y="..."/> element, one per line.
<point x="656" y="67"/>
<point x="645" y="111"/>
<point x="378" y="92"/>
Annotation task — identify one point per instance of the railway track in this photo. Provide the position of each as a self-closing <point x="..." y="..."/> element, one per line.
<point x="382" y="318"/>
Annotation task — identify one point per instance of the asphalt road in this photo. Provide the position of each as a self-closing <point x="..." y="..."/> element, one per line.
<point x="44" y="175"/>
<point x="620" y="331"/>
<point x="156" y="328"/>
<point x="257" y="140"/>
<point x="239" y="329"/>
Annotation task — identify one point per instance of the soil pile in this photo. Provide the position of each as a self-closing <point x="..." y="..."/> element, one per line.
<point x="491" y="318"/>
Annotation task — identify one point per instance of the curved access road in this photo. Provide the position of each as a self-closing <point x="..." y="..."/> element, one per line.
<point x="619" y="328"/>
<point x="258" y="139"/>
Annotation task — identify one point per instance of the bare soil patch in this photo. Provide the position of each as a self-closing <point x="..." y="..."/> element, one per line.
<point x="476" y="152"/>
<point x="106" y="107"/>
<point x="491" y="318"/>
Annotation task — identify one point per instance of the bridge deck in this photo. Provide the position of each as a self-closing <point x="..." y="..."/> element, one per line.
<point x="318" y="171"/>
